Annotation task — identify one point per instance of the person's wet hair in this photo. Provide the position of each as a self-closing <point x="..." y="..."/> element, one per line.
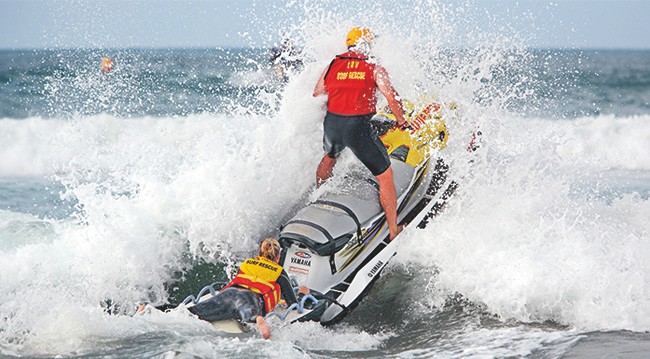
<point x="270" y="248"/>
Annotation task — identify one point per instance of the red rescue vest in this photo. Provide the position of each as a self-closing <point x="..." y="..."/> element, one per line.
<point x="259" y="275"/>
<point x="350" y="85"/>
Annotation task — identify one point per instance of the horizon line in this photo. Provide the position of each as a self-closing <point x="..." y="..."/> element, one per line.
<point x="588" y="48"/>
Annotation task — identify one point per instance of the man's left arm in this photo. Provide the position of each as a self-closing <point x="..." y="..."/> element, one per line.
<point x="320" y="85"/>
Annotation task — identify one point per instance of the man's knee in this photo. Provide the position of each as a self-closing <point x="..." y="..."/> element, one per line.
<point x="386" y="175"/>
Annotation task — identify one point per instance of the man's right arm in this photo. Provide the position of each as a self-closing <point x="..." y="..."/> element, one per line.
<point x="386" y="88"/>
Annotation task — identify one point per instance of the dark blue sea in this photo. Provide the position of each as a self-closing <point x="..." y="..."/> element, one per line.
<point x="148" y="182"/>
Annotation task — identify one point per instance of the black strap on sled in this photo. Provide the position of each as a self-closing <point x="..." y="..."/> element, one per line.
<point x="346" y="210"/>
<point x="327" y="235"/>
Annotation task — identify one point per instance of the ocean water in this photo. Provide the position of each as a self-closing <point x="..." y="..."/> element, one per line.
<point x="149" y="182"/>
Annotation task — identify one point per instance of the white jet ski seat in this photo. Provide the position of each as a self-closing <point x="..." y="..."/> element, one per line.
<point x="326" y="225"/>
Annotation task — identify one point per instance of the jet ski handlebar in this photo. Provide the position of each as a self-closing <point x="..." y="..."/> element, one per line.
<point x="382" y="123"/>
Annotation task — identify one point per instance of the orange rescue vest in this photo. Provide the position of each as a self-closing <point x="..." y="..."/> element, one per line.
<point x="259" y="275"/>
<point x="350" y="85"/>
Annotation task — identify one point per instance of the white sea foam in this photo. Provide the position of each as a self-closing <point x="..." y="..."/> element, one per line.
<point x="506" y="342"/>
<point x="524" y="235"/>
<point x="517" y="237"/>
<point x="528" y="237"/>
<point x="151" y="189"/>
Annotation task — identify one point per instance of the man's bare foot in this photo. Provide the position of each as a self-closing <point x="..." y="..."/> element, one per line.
<point x="396" y="232"/>
<point x="263" y="327"/>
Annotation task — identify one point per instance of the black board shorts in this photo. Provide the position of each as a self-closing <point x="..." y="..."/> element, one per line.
<point x="231" y="303"/>
<point x="356" y="133"/>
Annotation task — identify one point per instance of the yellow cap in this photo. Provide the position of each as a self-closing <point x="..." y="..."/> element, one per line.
<point x="358" y="35"/>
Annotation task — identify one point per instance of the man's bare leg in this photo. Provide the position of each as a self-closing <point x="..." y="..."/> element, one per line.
<point x="388" y="200"/>
<point x="324" y="170"/>
<point x="263" y="327"/>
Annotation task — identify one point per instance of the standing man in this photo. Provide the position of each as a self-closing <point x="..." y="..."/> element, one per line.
<point x="351" y="82"/>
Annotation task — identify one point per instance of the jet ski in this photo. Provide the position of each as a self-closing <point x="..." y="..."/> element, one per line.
<point x="338" y="245"/>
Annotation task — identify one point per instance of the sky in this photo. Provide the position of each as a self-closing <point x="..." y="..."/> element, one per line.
<point x="27" y="24"/>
